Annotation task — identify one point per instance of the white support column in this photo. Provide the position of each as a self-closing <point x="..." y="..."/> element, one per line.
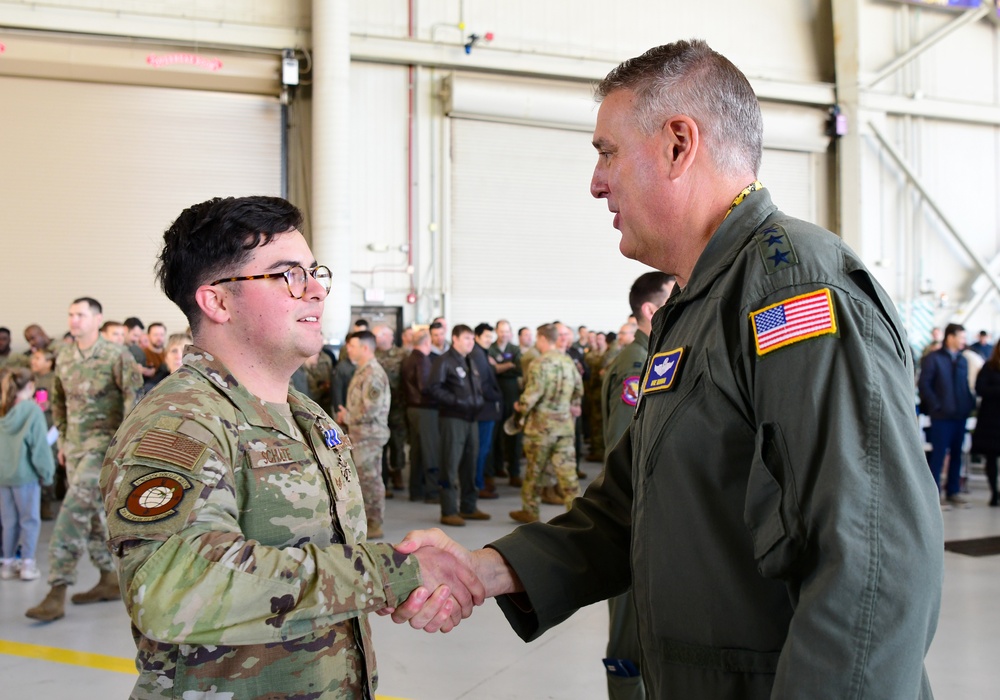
<point x="846" y="30"/>
<point x="331" y="176"/>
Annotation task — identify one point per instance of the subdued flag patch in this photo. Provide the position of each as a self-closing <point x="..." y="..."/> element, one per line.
<point x="789" y="321"/>
<point x="173" y="448"/>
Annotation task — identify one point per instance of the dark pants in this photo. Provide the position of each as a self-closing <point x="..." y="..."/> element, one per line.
<point x="623" y="643"/>
<point x="507" y="449"/>
<point x="946" y="437"/>
<point x="484" y="467"/>
<point x="459" y="445"/>
<point x="393" y="454"/>
<point x="423" y="432"/>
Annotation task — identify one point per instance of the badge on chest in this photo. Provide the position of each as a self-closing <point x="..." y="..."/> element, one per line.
<point x="662" y="371"/>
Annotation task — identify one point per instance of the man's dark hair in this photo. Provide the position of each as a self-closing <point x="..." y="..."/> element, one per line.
<point x="460" y="329"/>
<point x="133" y="322"/>
<point x="436" y="325"/>
<point x="549" y="331"/>
<point x="213" y="239"/>
<point x="361" y="323"/>
<point x="648" y="287"/>
<point x="953" y="329"/>
<point x="611" y="336"/>
<point x="4" y="329"/>
<point x="983" y="334"/>
<point x="365" y="338"/>
<point x="482" y="328"/>
<point x="109" y="324"/>
<point x="94" y="305"/>
<point x="156" y="324"/>
<point x="522" y="329"/>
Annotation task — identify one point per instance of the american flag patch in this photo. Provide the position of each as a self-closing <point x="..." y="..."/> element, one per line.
<point x="173" y="448"/>
<point x="792" y="320"/>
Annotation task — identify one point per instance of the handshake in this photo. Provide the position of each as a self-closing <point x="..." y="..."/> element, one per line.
<point x="455" y="580"/>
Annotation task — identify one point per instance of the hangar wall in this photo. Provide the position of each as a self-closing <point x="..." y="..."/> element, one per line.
<point x="414" y="197"/>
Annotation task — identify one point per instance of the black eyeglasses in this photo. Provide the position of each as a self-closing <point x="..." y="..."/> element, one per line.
<point x="295" y="278"/>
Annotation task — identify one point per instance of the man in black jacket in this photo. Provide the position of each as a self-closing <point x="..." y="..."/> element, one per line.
<point x="456" y="388"/>
<point x="490" y="413"/>
<point x="422" y="420"/>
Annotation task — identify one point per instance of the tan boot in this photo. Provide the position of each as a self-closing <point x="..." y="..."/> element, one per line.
<point x="53" y="607"/>
<point x="550" y="496"/>
<point x="106" y="589"/>
<point x="374" y="529"/>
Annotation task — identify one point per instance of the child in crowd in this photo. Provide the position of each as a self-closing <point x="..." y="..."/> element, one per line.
<point x="43" y="362"/>
<point x="25" y="461"/>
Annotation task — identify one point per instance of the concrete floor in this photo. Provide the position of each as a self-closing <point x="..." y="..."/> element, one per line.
<point x="482" y="659"/>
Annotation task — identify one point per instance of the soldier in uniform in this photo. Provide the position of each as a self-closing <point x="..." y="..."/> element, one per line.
<point x="549" y="403"/>
<point x="8" y="358"/>
<point x="319" y="378"/>
<point x="233" y="502"/>
<point x="366" y="417"/>
<point x="94" y="389"/>
<point x="770" y="505"/>
<point x="619" y="393"/>
<point x="390" y="356"/>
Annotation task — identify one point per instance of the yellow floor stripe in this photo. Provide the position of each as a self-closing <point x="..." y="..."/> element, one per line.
<point x="84" y="658"/>
<point x="69" y="656"/>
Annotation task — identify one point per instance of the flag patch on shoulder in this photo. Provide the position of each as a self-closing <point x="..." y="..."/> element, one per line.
<point x="176" y="449"/>
<point x="789" y="321"/>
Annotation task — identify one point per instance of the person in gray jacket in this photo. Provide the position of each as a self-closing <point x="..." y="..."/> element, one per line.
<point x="770" y="505"/>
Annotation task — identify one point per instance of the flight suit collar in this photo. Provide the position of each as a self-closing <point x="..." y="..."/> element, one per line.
<point x="255" y="411"/>
<point x="641" y="340"/>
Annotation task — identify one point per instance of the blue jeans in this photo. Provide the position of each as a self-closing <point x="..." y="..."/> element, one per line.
<point x="485" y="443"/>
<point x="20" y="516"/>
<point x="947" y="436"/>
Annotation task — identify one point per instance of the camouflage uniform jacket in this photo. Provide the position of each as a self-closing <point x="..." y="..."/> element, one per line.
<point x="240" y="528"/>
<point x="391" y="361"/>
<point x="553" y="385"/>
<point x="13" y="360"/>
<point x="92" y="393"/>
<point x="368" y="403"/>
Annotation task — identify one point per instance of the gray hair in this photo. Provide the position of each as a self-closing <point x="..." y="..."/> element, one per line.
<point x="688" y="77"/>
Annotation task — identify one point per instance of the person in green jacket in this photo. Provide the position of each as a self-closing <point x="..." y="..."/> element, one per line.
<point x="25" y="464"/>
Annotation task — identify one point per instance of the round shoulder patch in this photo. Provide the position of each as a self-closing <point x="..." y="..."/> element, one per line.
<point x="154" y="497"/>
<point x="630" y="390"/>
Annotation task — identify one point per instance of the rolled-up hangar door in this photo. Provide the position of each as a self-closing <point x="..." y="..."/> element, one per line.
<point x="526" y="241"/>
<point x="103" y="146"/>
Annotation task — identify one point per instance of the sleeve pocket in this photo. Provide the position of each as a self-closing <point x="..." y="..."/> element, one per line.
<point x="771" y="510"/>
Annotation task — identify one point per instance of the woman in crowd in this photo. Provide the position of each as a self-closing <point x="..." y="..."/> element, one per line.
<point x="174" y="352"/>
<point x="25" y="463"/>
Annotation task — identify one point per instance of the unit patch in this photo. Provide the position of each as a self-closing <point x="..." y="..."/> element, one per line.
<point x="789" y="321"/>
<point x="776" y="249"/>
<point x="154" y="497"/>
<point x="630" y="390"/>
<point x="662" y="371"/>
<point x="174" y="448"/>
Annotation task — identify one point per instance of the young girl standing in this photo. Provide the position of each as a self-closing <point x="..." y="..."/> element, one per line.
<point x="25" y="462"/>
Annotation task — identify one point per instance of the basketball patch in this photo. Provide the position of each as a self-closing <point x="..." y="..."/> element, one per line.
<point x="154" y="497"/>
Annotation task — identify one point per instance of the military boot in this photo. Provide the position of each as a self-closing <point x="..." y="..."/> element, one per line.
<point x="53" y="607"/>
<point x="552" y="497"/>
<point x="106" y="589"/>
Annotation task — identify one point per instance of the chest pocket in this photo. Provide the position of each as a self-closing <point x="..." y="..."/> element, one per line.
<point x="283" y="497"/>
<point x="666" y="415"/>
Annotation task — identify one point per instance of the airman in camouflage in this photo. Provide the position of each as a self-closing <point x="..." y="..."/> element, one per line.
<point x="7" y="358"/>
<point x="550" y="403"/>
<point x="94" y="388"/>
<point x="366" y="417"/>
<point x="233" y="502"/>
<point x="391" y="358"/>
<point x="319" y="379"/>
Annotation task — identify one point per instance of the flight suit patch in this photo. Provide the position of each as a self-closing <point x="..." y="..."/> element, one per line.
<point x="662" y="371"/>
<point x="630" y="390"/>
<point x="789" y="321"/>
<point x="776" y="251"/>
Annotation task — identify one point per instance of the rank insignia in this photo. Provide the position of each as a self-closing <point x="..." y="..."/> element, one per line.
<point x="154" y="497"/>
<point x="330" y="438"/>
<point x="630" y="390"/>
<point x="776" y="249"/>
<point x="662" y="371"/>
<point x="789" y="321"/>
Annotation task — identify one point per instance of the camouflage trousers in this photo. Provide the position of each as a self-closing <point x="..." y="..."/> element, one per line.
<point x="367" y="456"/>
<point x="81" y="524"/>
<point x="541" y="451"/>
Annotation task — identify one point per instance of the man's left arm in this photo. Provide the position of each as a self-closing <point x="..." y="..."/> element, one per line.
<point x="127" y="378"/>
<point x="841" y="504"/>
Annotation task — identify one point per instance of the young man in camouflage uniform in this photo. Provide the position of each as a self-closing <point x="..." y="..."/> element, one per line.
<point x="233" y="503"/>
<point x="550" y="404"/>
<point x="366" y="417"/>
<point x="390" y="356"/>
<point x="94" y="388"/>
